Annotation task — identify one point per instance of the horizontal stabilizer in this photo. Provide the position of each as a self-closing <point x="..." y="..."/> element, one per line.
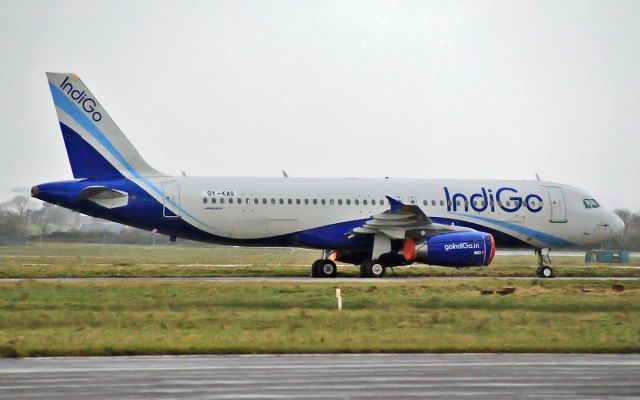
<point x="105" y="197"/>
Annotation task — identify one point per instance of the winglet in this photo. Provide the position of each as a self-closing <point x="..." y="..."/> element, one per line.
<point x="395" y="204"/>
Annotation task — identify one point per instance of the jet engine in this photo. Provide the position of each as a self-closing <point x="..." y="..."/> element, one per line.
<point x="456" y="249"/>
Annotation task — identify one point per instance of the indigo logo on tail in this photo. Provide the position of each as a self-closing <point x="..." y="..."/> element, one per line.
<point x="87" y="103"/>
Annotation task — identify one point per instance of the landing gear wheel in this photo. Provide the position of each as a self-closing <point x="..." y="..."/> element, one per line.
<point x="374" y="269"/>
<point x="544" y="264"/>
<point x="314" y="269"/>
<point x="544" y="271"/>
<point x="324" y="269"/>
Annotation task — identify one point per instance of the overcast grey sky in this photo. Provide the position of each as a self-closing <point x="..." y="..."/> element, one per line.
<point x="440" y="89"/>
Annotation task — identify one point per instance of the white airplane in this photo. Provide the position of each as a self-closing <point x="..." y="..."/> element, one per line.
<point x="373" y="223"/>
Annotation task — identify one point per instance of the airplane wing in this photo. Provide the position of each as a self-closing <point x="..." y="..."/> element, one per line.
<point x="403" y="221"/>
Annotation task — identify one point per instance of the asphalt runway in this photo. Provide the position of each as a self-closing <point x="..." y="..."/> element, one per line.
<point x="477" y="376"/>
<point x="315" y="280"/>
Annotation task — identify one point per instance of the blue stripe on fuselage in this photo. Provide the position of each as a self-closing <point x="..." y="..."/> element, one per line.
<point x="553" y="241"/>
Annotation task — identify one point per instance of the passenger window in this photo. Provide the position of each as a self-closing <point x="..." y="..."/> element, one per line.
<point x="239" y="201"/>
<point x="339" y="202"/>
<point x="356" y="202"/>
<point x="222" y="200"/>
<point x="264" y="201"/>
<point x="373" y="202"/>
<point x="433" y="202"/>
<point x="306" y="201"/>
<point x="255" y="201"/>
<point x="204" y="200"/>
<point x="508" y="203"/>
<point x="281" y="201"/>
<point x="273" y="201"/>
<point x="297" y="201"/>
<point x="424" y="202"/>
<point x="348" y="202"/>
<point x="364" y="202"/>
<point x="458" y="203"/>
<point x="315" y="201"/>
<point x="231" y="200"/>
<point x="322" y="201"/>
<point x="289" y="201"/>
<point x="213" y="201"/>
<point x="331" y="201"/>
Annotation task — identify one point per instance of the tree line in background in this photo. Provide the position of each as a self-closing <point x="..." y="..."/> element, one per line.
<point x="21" y="221"/>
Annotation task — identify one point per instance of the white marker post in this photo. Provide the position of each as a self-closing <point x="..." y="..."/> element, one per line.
<point x="339" y="296"/>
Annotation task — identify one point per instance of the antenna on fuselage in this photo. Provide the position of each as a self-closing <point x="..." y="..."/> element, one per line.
<point x="284" y="174"/>
<point x="538" y="177"/>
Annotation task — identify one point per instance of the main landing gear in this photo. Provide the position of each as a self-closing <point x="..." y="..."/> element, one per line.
<point x="324" y="268"/>
<point x="544" y="264"/>
<point x="372" y="269"/>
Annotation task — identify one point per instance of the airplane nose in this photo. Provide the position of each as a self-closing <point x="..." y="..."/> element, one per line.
<point x="617" y="226"/>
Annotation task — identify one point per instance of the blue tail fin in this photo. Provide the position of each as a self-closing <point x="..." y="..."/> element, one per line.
<point x="96" y="147"/>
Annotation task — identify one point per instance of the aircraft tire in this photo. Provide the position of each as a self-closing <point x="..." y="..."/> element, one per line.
<point x="315" y="269"/>
<point x="544" y="272"/>
<point x="326" y="269"/>
<point x="374" y="269"/>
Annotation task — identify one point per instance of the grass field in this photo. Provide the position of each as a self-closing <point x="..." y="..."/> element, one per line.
<point x="82" y="260"/>
<point x="52" y="319"/>
<point x="138" y="317"/>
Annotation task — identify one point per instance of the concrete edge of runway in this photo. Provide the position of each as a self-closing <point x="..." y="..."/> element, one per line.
<point x="314" y="280"/>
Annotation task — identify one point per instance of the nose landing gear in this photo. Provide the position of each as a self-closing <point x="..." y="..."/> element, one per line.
<point x="544" y="264"/>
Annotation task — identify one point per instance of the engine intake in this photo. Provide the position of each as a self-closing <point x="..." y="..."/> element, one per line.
<point x="457" y="249"/>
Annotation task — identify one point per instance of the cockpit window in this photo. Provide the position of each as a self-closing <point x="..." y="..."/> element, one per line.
<point x="590" y="203"/>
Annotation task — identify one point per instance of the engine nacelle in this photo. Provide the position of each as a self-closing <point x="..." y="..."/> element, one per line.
<point x="457" y="249"/>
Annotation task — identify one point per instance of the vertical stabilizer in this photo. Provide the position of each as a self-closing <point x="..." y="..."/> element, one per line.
<point x="96" y="147"/>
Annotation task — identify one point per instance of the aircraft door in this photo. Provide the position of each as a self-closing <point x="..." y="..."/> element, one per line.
<point x="171" y="200"/>
<point x="558" y="205"/>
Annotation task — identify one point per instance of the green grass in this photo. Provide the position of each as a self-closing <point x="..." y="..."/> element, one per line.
<point x="55" y="319"/>
<point x="86" y="260"/>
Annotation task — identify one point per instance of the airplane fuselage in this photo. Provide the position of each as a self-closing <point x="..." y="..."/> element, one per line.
<point x="319" y="212"/>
